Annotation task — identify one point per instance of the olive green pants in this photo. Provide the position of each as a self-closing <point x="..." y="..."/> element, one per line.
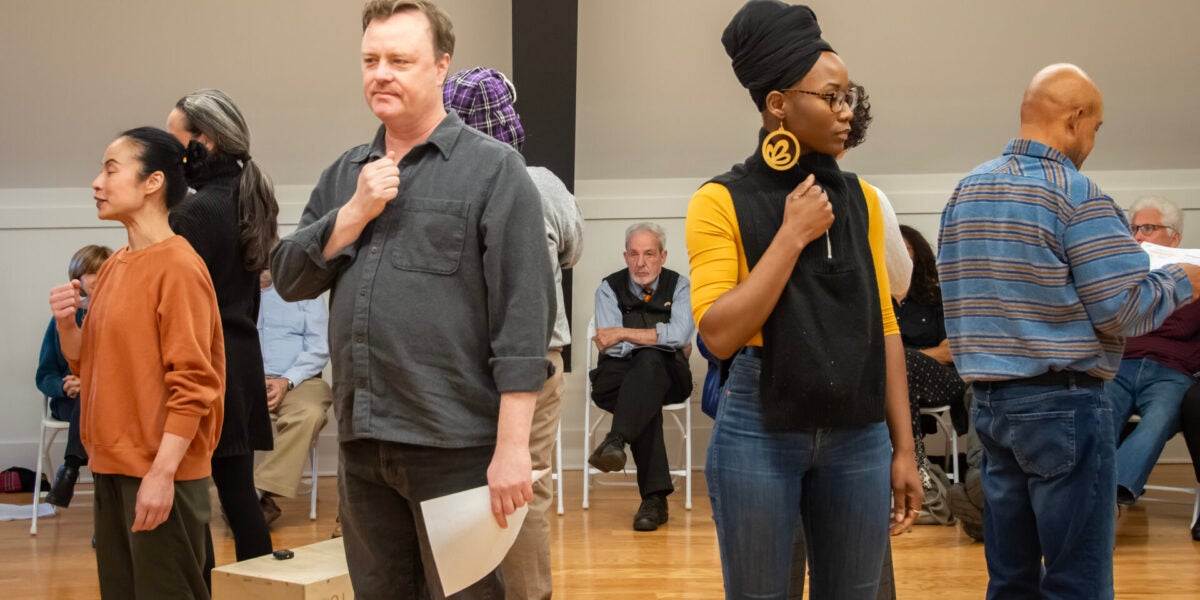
<point x="165" y="562"/>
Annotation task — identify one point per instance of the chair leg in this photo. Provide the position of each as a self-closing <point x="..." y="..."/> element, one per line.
<point x="558" y="468"/>
<point x="1196" y="507"/>
<point x="954" y="448"/>
<point x="687" y="436"/>
<point x="312" y="502"/>
<point x="951" y="447"/>
<point x="37" y="479"/>
<point x="587" y="440"/>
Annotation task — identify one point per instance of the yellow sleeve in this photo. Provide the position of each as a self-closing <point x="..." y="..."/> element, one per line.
<point x="875" y="236"/>
<point x="715" y="253"/>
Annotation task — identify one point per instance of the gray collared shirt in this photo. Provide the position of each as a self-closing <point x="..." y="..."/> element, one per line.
<point x="444" y="302"/>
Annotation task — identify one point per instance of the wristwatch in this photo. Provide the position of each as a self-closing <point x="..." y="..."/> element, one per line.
<point x="290" y="385"/>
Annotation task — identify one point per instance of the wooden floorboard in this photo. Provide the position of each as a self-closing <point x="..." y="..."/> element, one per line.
<point x="596" y="554"/>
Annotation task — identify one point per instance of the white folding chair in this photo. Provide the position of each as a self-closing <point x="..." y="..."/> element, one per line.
<point x="1194" y="491"/>
<point x="941" y="414"/>
<point x="52" y="426"/>
<point x="590" y="426"/>
<point x="312" y="474"/>
<point x="558" y="468"/>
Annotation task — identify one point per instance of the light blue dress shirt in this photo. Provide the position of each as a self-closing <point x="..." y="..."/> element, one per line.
<point x="293" y="336"/>
<point x="674" y="334"/>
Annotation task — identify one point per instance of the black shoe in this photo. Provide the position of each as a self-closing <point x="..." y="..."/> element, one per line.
<point x="1125" y="497"/>
<point x="1196" y="531"/>
<point x="966" y="503"/>
<point x="651" y="514"/>
<point x="609" y="456"/>
<point x="270" y="509"/>
<point x="64" y="486"/>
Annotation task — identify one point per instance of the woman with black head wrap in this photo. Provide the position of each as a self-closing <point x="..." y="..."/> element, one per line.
<point x="789" y="282"/>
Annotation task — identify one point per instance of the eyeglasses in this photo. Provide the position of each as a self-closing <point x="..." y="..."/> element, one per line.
<point x="836" y="99"/>
<point x="1147" y="229"/>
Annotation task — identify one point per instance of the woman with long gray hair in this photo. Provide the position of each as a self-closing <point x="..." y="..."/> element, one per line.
<point x="231" y="222"/>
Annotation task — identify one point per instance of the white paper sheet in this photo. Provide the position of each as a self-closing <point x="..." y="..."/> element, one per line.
<point x="1161" y="256"/>
<point x="12" y="512"/>
<point x="466" y="541"/>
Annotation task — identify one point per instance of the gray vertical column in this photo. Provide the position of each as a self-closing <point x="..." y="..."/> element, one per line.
<point x="545" y="37"/>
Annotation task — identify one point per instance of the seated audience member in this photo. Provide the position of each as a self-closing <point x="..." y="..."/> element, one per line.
<point x="55" y="379"/>
<point x="151" y="363"/>
<point x="1156" y="369"/>
<point x="643" y="330"/>
<point x="295" y="351"/>
<point x="1190" y="416"/>
<point x="932" y="380"/>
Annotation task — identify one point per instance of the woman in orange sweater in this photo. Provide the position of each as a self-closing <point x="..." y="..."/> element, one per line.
<point x="150" y="359"/>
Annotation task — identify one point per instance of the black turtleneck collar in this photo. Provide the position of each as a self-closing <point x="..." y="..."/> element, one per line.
<point x="210" y="170"/>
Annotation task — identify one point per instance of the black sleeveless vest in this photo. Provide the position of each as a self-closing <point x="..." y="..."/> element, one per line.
<point x="637" y="313"/>
<point x="823" y="359"/>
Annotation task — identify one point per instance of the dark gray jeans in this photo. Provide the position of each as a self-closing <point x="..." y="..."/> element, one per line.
<point x="380" y="489"/>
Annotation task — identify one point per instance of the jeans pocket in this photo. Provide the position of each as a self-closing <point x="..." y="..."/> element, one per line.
<point x="1044" y="442"/>
<point x="431" y="236"/>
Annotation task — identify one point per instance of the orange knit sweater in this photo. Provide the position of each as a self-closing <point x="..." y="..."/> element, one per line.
<point x="152" y="361"/>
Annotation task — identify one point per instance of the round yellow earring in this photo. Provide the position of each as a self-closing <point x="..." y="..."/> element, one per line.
<point x="780" y="149"/>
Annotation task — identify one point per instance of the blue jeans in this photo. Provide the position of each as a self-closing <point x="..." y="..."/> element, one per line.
<point x="1154" y="391"/>
<point x="1049" y="484"/>
<point x="762" y="483"/>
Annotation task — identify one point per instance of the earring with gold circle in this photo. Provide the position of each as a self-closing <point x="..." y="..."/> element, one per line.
<point x="780" y="149"/>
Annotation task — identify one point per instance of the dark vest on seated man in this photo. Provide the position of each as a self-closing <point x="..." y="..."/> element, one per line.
<point x="642" y="313"/>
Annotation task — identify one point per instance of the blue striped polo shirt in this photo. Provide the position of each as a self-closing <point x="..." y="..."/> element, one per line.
<point x="1039" y="271"/>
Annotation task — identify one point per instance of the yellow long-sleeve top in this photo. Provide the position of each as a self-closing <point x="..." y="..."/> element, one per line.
<point x="718" y="260"/>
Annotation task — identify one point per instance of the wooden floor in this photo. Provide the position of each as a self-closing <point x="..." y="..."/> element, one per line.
<point x="596" y="554"/>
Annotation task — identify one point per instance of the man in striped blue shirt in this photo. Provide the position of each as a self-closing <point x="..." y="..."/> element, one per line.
<point x="1041" y="282"/>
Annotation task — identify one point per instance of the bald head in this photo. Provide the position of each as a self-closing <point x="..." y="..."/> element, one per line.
<point x="1063" y="108"/>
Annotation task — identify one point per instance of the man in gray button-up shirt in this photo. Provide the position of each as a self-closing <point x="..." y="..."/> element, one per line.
<point x="432" y="243"/>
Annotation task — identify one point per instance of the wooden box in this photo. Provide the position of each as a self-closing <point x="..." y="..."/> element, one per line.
<point x="316" y="572"/>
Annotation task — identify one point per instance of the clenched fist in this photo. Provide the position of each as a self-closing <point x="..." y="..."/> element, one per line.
<point x="378" y="184"/>
<point x="65" y="301"/>
<point x="808" y="213"/>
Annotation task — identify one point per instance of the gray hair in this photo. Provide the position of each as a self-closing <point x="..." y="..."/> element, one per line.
<point x="1172" y="216"/>
<point x="647" y="226"/>
<point x="212" y="113"/>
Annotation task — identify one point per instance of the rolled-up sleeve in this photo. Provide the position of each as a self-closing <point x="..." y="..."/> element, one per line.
<point x="298" y="264"/>
<point x="519" y="278"/>
<point x="678" y="331"/>
<point x="608" y="314"/>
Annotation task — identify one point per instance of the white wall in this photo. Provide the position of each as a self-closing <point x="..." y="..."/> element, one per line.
<point x="659" y="111"/>
<point x="658" y="98"/>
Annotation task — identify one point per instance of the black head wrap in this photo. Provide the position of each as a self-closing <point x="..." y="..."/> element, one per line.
<point x="773" y="45"/>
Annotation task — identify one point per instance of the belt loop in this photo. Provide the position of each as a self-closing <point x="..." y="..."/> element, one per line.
<point x="1071" y="383"/>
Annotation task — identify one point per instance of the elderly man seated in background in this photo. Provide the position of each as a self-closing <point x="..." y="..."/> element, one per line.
<point x="643" y="330"/>
<point x="1157" y="367"/>
<point x="295" y="351"/>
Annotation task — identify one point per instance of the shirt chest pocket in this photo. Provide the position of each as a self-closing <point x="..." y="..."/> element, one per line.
<point x="430" y="235"/>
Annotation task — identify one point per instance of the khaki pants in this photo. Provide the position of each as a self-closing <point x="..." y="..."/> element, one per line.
<point x="298" y="419"/>
<point x="526" y="569"/>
